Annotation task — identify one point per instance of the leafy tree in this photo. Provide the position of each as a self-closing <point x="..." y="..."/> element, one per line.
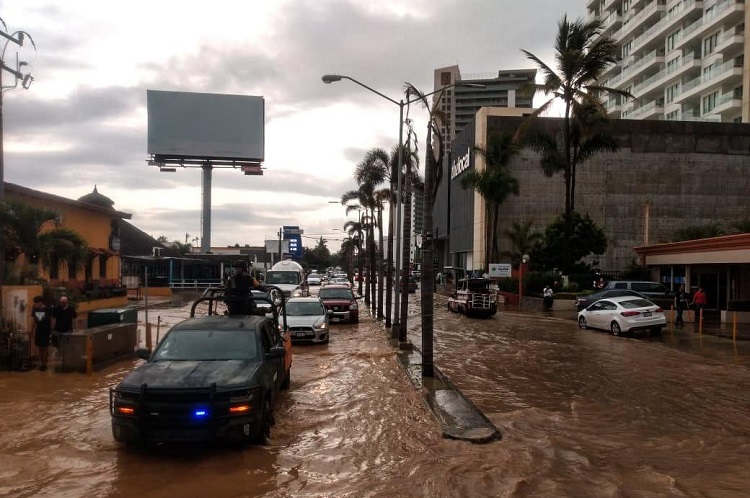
<point x="32" y="232"/>
<point x="581" y="57"/>
<point x="566" y="241"/>
<point x="318" y="257"/>
<point x="494" y="184"/>
<point x="523" y="240"/>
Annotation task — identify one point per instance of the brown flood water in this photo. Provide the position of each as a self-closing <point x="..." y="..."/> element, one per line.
<point x="582" y="414"/>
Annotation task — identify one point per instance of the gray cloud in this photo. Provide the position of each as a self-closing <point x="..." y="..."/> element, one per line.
<point x="311" y="38"/>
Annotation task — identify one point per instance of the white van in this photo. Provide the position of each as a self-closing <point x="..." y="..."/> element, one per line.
<point x="288" y="276"/>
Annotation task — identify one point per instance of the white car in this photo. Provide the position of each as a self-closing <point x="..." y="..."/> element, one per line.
<point x="623" y="315"/>
<point x="308" y="320"/>
<point x="340" y="281"/>
<point x="314" y="279"/>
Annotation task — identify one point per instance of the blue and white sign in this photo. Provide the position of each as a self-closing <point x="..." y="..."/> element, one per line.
<point x="499" y="270"/>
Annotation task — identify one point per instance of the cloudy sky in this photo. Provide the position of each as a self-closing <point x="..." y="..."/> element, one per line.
<point x="83" y="121"/>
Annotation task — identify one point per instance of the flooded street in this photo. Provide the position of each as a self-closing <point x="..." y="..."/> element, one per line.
<point x="582" y="414"/>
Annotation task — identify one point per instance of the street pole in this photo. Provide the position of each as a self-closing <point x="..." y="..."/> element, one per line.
<point x="396" y="326"/>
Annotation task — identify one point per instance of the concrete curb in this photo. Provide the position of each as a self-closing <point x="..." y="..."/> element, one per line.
<point x="459" y="418"/>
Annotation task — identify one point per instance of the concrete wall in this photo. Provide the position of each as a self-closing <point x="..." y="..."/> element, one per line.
<point x="677" y="174"/>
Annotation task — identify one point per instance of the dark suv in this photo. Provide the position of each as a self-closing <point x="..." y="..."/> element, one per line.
<point x="211" y="379"/>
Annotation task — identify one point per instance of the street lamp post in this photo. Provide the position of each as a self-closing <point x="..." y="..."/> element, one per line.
<point x="399" y="329"/>
<point x="331" y="78"/>
<point x="524" y="260"/>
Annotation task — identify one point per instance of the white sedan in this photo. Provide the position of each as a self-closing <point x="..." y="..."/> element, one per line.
<point x="623" y="315"/>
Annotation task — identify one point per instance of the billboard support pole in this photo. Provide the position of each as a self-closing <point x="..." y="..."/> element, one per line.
<point x="206" y="209"/>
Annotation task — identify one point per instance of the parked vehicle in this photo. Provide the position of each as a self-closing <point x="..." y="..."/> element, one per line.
<point x="654" y="291"/>
<point x="289" y="276"/>
<point x="623" y="315"/>
<point x="473" y="297"/>
<point x="586" y="301"/>
<point x="212" y="378"/>
<point x="341" y="301"/>
<point x="308" y="320"/>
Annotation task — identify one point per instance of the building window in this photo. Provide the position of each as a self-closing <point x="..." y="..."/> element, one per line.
<point x="708" y="72"/>
<point x="445" y="78"/>
<point x="673" y="116"/>
<point x="709" y="44"/>
<point x="673" y="65"/>
<point x="672" y="92"/>
<point x="709" y="102"/>
<point x="672" y="39"/>
<point x="626" y="47"/>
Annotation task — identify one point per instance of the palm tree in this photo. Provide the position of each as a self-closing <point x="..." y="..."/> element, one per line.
<point x="581" y="56"/>
<point x="431" y="181"/>
<point x="354" y="229"/>
<point x="348" y="246"/>
<point x="523" y="238"/>
<point x="23" y="228"/>
<point x="494" y="183"/>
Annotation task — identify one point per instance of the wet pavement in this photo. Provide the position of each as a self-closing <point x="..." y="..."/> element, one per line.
<point x="582" y="414"/>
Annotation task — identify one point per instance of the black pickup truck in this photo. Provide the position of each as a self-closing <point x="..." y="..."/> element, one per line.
<point x="211" y="379"/>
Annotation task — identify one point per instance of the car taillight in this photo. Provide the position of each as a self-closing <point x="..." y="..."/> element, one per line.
<point x="630" y="313"/>
<point x="658" y="310"/>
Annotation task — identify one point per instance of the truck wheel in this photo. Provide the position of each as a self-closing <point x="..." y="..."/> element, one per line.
<point x="287" y="380"/>
<point x="263" y="432"/>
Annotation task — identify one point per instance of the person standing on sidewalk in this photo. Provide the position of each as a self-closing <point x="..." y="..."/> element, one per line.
<point x="63" y="319"/>
<point x="41" y="327"/>
<point x="680" y="304"/>
<point x="548" y="293"/>
<point x="699" y="300"/>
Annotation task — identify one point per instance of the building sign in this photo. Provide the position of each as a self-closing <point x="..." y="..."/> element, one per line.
<point x="499" y="270"/>
<point x="293" y="234"/>
<point x="460" y="164"/>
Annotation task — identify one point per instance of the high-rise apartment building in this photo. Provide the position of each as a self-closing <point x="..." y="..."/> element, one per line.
<point x="681" y="59"/>
<point x="461" y="103"/>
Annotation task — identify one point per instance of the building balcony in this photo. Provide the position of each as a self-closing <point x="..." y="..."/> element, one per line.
<point x="652" y="110"/>
<point x="611" y="23"/>
<point x="728" y="75"/>
<point x="649" y="15"/>
<point x="728" y="106"/>
<point x="665" y="78"/>
<point x="631" y="71"/>
<point x="730" y="42"/>
<point x="684" y="13"/>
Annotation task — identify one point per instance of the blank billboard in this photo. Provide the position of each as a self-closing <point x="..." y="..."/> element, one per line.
<point x="206" y="125"/>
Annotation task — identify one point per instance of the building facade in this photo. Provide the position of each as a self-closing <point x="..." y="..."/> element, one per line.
<point x="682" y="59"/>
<point x="666" y="176"/>
<point x="506" y="88"/>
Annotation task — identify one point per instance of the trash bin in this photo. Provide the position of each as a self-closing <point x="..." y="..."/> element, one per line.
<point x="108" y="316"/>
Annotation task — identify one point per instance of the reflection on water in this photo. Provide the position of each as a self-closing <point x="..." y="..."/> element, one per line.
<point x="582" y="414"/>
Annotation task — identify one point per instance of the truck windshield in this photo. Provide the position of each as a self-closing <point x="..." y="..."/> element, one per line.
<point x="282" y="277"/>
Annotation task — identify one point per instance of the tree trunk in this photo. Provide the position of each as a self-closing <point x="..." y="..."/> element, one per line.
<point x="373" y="279"/>
<point x="405" y="246"/>
<point x="381" y="276"/>
<point x="427" y="285"/>
<point x="389" y="267"/>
